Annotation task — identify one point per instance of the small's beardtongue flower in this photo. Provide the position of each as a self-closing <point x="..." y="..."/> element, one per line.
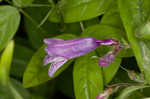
<point x="60" y="51"/>
<point x="109" y="57"/>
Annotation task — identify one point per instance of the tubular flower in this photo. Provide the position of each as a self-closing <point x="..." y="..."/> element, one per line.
<point x="60" y="51"/>
<point x="110" y="56"/>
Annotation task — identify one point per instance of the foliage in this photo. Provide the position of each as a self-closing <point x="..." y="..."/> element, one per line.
<point x="25" y="23"/>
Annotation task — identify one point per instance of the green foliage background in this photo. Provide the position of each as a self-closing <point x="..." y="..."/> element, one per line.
<point x="25" y="23"/>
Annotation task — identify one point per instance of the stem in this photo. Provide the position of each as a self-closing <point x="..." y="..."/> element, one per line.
<point x="27" y="15"/>
<point x="38" y="5"/>
<point x="124" y="68"/>
<point x="44" y="19"/>
<point x="32" y="20"/>
<point x="122" y="85"/>
<point x="82" y="26"/>
<point x="52" y="3"/>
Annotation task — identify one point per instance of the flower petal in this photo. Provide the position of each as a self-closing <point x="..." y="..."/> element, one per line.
<point x="53" y="40"/>
<point x="50" y="59"/>
<point x="46" y="60"/>
<point x="56" y="65"/>
<point x="107" y="59"/>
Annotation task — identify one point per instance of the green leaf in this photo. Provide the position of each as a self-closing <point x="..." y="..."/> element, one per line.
<point x="73" y="28"/>
<point x="55" y="15"/>
<point x="22" y="55"/>
<point x="90" y="22"/>
<point x="134" y="14"/>
<point x="15" y="93"/>
<point x="79" y="10"/>
<point x="22" y="3"/>
<point x="36" y="32"/>
<point x="5" y="92"/>
<point x="0" y="0"/>
<point x="36" y="73"/>
<point x="128" y="91"/>
<point x="87" y="76"/>
<point x="5" y="63"/>
<point x="144" y="31"/>
<point x="112" y="17"/>
<point x="103" y="32"/>
<point x="37" y="97"/>
<point x="46" y="89"/>
<point x="18" y="91"/>
<point x="9" y="22"/>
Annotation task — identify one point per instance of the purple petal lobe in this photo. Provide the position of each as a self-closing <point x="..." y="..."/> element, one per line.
<point x="46" y="60"/>
<point x="56" y="65"/>
<point x="52" y="40"/>
<point x="107" y="59"/>
<point x="50" y="59"/>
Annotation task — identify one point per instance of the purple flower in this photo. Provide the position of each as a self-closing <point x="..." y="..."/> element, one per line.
<point x="60" y="51"/>
<point x="109" y="57"/>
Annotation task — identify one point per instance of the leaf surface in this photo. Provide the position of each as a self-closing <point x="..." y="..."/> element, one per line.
<point x="87" y="76"/>
<point x="9" y="23"/>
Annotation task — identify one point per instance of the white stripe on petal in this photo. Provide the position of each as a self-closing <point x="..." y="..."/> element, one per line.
<point x="56" y="65"/>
